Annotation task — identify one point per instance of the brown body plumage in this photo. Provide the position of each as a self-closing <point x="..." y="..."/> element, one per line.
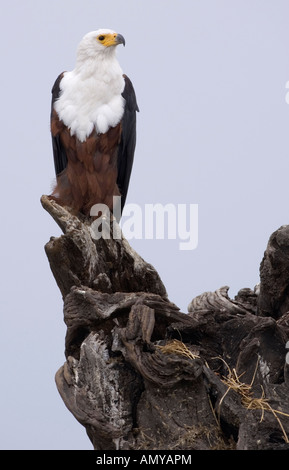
<point x="90" y="176"/>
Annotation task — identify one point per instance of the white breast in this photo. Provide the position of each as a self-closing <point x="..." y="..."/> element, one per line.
<point x="91" y="98"/>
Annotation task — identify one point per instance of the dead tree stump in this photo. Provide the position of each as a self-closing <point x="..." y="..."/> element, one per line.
<point x="140" y="374"/>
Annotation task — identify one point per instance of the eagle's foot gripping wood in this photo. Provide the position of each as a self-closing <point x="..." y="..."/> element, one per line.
<point x="139" y="374"/>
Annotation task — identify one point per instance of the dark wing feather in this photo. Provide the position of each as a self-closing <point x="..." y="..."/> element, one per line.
<point x="128" y="140"/>
<point x="60" y="158"/>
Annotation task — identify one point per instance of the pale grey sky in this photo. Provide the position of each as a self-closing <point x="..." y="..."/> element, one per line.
<point x="210" y="80"/>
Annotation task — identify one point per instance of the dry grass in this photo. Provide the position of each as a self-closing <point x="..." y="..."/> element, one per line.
<point x="177" y="347"/>
<point x="233" y="382"/>
<point x="190" y="437"/>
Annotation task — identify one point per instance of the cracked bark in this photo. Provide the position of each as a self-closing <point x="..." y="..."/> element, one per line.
<point x="140" y="374"/>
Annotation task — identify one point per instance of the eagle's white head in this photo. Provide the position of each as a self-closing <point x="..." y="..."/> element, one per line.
<point x="98" y="43"/>
<point x="91" y="94"/>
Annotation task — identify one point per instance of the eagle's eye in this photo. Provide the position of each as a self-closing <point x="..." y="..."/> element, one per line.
<point x="101" y="38"/>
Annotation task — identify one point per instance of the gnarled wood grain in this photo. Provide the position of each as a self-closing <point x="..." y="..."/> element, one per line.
<point x="140" y="374"/>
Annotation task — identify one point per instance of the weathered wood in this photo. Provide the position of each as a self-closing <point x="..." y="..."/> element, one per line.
<point x="274" y="274"/>
<point x="108" y="265"/>
<point x="140" y="374"/>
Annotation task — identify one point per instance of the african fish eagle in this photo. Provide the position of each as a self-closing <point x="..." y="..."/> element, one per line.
<point x="93" y="126"/>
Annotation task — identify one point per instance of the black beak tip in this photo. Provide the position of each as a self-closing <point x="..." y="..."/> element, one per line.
<point x="120" y="39"/>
